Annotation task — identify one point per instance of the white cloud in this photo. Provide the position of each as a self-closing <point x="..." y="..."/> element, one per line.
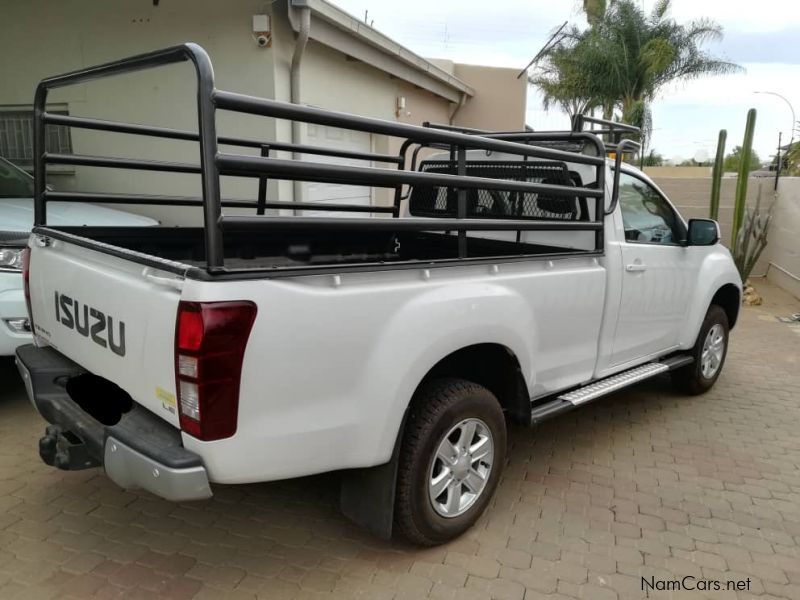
<point x="741" y="15"/>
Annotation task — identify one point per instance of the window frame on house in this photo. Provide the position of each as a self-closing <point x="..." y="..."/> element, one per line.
<point x="58" y="137"/>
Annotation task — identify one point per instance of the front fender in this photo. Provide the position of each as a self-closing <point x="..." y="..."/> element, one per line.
<point x="431" y="326"/>
<point x="716" y="270"/>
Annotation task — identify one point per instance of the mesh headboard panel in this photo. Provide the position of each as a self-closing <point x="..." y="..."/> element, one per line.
<point x="436" y="201"/>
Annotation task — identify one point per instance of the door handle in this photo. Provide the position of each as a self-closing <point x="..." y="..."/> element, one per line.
<point x="635" y="267"/>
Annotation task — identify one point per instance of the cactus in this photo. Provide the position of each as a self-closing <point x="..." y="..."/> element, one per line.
<point x="744" y="174"/>
<point x="752" y="237"/>
<point x="716" y="175"/>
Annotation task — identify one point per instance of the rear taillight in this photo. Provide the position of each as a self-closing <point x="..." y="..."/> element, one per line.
<point x="210" y="339"/>
<point x="26" y="282"/>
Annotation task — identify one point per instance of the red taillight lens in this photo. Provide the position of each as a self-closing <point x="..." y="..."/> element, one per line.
<point x="210" y="339"/>
<point x="190" y="328"/>
<point x="26" y="282"/>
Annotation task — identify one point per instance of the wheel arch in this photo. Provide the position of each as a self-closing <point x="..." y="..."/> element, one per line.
<point x="718" y="283"/>
<point x="728" y="299"/>
<point x="367" y="495"/>
<point x="495" y="367"/>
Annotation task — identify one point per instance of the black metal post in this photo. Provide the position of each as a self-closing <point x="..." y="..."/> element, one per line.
<point x="39" y="149"/>
<point x="401" y="165"/>
<point x="206" y="121"/>
<point x="462" y="201"/>
<point x="262" y="185"/>
<point x="599" y="214"/>
<point x="207" y="128"/>
<point x="621" y="149"/>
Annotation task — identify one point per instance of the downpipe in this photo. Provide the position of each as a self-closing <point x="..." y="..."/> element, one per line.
<point x="461" y="101"/>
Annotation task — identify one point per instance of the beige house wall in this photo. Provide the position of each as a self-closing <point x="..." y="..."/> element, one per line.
<point x="72" y="34"/>
<point x="499" y="101"/>
<point x="84" y="32"/>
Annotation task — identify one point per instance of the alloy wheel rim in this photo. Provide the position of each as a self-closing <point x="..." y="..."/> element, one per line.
<point x="713" y="351"/>
<point x="461" y="467"/>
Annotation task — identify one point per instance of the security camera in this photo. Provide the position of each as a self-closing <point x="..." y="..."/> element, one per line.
<point x="262" y="30"/>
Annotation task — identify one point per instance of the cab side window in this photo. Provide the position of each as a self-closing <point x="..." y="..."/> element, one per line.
<point x="648" y="218"/>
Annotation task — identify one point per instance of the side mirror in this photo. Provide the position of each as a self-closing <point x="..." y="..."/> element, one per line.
<point x="702" y="232"/>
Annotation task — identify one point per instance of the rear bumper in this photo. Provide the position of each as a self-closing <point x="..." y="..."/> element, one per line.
<point x="140" y="451"/>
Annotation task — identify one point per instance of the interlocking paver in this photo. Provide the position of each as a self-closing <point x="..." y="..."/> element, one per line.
<point x="647" y="483"/>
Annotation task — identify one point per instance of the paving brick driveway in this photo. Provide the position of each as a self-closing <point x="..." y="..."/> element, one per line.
<point x="645" y="483"/>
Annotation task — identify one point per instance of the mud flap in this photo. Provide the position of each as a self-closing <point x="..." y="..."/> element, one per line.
<point x="367" y="495"/>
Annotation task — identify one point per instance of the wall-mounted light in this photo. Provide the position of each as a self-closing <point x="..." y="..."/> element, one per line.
<point x="262" y="31"/>
<point x="400" y="105"/>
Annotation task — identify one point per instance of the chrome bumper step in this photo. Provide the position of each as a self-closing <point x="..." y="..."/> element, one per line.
<point x="597" y="389"/>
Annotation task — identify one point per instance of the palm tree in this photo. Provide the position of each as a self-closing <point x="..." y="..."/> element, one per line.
<point x="565" y="83"/>
<point x="562" y="78"/>
<point x="625" y="58"/>
<point x="595" y="10"/>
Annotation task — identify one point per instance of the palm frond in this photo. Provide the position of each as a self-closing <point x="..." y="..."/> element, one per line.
<point x="626" y="57"/>
<point x="660" y="9"/>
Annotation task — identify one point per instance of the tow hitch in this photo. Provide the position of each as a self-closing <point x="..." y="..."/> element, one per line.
<point x="65" y="450"/>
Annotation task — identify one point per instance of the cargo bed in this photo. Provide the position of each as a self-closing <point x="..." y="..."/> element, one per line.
<point x="294" y="249"/>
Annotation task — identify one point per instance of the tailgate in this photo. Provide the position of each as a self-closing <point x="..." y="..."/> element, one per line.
<point x="112" y="316"/>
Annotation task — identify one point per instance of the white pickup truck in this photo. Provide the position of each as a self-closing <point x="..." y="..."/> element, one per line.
<point x="519" y="276"/>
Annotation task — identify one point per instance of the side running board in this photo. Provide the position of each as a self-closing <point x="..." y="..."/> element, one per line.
<point x="582" y="395"/>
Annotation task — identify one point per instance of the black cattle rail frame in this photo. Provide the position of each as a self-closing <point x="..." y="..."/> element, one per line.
<point x="214" y="164"/>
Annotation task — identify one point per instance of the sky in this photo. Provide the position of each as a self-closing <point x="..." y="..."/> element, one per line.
<point x="763" y="37"/>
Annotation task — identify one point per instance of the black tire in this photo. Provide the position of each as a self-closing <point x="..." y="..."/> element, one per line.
<point x="439" y="406"/>
<point x="690" y="379"/>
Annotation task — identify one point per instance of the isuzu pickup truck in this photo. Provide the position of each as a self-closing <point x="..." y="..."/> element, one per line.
<point x="501" y="276"/>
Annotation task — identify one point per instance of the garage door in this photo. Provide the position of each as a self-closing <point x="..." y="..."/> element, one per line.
<point x="333" y="193"/>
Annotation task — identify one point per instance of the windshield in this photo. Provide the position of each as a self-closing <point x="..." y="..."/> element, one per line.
<point x="14" y="182"/>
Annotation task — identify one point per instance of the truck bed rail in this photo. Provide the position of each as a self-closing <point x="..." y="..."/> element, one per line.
<point x="213" y="164"/>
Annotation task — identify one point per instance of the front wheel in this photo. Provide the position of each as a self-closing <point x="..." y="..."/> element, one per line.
<point x="709" y="354"/>
<point x="450" y="462"/>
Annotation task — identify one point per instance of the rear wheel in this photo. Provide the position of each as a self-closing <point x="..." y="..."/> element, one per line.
<point x="450" y="461"/>
<point x="709" y="354"/>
